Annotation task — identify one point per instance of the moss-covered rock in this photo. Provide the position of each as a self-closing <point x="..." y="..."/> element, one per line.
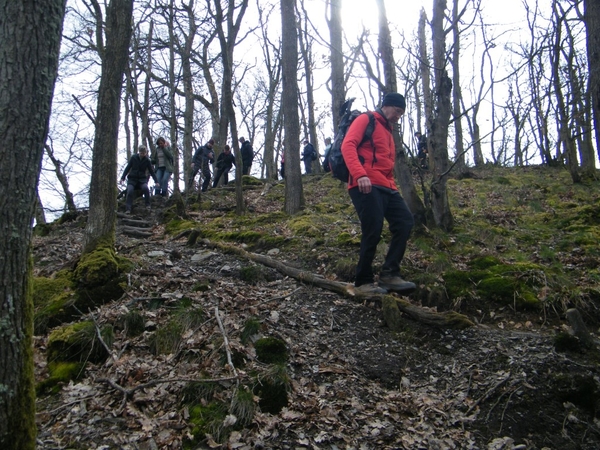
<point x="78" y="343"/>
<point x="100" y="276"/>
<point x="272" y="389"/>
<point x="53" y="300"/>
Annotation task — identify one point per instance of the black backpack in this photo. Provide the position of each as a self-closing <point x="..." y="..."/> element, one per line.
<point x="337" y="164"/>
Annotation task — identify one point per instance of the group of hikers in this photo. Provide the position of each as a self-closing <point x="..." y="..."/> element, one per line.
<point x="371" y="186"/>
<point x="140" y="168"/>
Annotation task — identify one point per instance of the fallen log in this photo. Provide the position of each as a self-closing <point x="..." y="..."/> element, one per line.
<point x="392" y="306"/>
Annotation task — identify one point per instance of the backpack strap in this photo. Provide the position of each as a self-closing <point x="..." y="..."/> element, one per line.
<point x="369" y="134"/>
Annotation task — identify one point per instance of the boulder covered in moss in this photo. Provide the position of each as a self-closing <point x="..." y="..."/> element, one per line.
<point x="78" y="342"/>
<point x="100" y="277"/>
<point x="53" y="300"/>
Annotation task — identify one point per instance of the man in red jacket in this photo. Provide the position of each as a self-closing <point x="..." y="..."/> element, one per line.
<point x="375" y="196"/>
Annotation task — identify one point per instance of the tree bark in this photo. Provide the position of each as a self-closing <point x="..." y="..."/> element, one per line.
<point x="62" y="179"/>
<point x="30" y="33"/>
<point x="100" y="227"/>
<point x="440" y="124"/>
<point x="338" y="85"/>
<point x="592" y="29"/>
<point x="294" y="193"/>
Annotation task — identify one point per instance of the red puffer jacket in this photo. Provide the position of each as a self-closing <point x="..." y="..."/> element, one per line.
<point x="360" y="161"/>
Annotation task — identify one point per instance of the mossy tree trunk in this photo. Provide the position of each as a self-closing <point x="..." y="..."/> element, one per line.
<point x="100" y="228"/>
<point x="294" y="193"/>
<point x="30" y="33"/>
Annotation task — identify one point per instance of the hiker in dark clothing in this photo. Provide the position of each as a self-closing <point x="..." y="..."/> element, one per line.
<point x="247" y="156"/>
<point x="372" y="188"/>
<point x="137" y="171"/>
<point x="225" y="162"/>
<point x="201" y="160"/>
<point x="422" y="152"/>
<point x="309" y="154"/>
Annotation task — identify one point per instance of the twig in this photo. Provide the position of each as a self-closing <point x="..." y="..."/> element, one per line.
<point x="226" y="342"/>
<point x="272" y="299"/>
<point x="488" y="394"/>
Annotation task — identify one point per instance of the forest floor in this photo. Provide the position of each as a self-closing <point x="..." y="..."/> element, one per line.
<point x="353" y="382"/>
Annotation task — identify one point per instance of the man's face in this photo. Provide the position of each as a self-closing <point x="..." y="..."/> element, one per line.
<point x="162" y="143"/>
<point x="392" y="113"/>
<point x="143" y="153"/>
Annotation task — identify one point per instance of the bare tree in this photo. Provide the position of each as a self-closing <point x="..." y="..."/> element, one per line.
<point x="30" y="34"/>
<point x="100" y="229"/>
<point x="62" y="179"/>
<point x="294" y="195"/>
<point x="440" y="123"/>
<point x="592" y="27"/>
<point x="338" y="85"/>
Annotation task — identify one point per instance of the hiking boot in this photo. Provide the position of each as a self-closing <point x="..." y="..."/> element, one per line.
<point x="127" y="211"/>
<point x="369" y="289"/>
<point x="396" y="283"/>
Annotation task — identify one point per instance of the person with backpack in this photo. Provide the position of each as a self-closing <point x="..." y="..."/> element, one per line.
<point x="163" y="166"/>
<point x="225" y="162"/>
<point x="375" y="196"/>
<point x="326" y="166"/>
<point x="422" y="152"/>
<point x="202" y="158"/>
<point x="309" y="154"/>
<point x="136" y="171"/>
<point x="247" y="156"/>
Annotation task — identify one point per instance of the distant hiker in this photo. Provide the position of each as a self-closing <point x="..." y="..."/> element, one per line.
<point x="326" y="166"/>
<point x="373" y="191"/>
<point x="163" y="165"/>
<point x="202" y="158"/>
<point x="247" y="156"/>
<point x="422" y="152"/>
<point x="282" y="171"/>
<point x="136" y="172"/>
<point x="225" y="162"/>
<point x="309" y="154"/>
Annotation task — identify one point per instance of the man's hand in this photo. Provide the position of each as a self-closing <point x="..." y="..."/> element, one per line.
<point x="364" y="185"/>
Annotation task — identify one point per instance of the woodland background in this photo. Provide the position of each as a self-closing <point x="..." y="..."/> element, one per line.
<point x="173" y="68"/>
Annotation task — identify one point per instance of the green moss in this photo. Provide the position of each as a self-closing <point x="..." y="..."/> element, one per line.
<point x="246" y="236"/>
<point x="78" y="343"/>
<point x="248" y="180"/>
<point x="53" y="300"/>
<point x="303" y="225"/>
<point x="176" y="226"/>
<point x="199" y="391"/>
<point x="60" y="373"/>
<point x="100" y="267"/>
<point x="251" y="328"/>
<point x="271" y="350"/>
<point x="346" y="239"/>
<point x="208" y="420"/>
<point x="251" y="274"/>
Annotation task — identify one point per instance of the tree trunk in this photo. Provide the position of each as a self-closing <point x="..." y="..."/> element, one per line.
<point x="30" y="34"/>
<point x="461" y="164"/>
<point x="62" y="179"/>
<point x="338" y="85"/>
<point x="439" y="136"/>
<point x="402" y="168"/>
<point x="100" y="227"/>
<point x="592" y="29"/>
<point x="188" y="89"/>
<point x="40" y="216"/>
<point x="294" y="193"/>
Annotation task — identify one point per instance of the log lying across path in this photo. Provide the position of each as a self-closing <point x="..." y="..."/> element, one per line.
<point x="393" y="306"/>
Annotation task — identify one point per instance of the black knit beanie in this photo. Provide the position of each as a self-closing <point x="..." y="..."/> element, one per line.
<point x="394" y="99"/>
